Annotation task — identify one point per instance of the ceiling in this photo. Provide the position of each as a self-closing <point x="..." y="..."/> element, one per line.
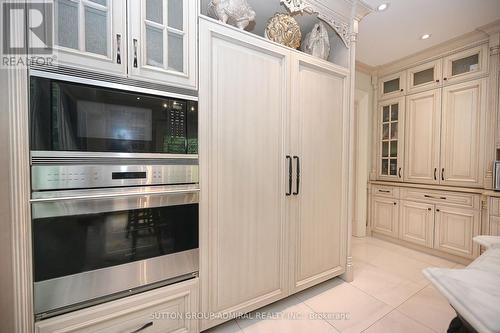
<point x="395" y="33"/>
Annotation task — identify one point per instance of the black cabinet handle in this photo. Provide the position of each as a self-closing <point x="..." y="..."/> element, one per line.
<point x="297" y="190"/>
<point x="442" y="174"/>
<point x="435" y="173"/>
<point x="384" y="191"/>
<point x="135" y="53"/>
<point x="289" y="159"/>
<point x="143" y="327"/>
<point x="437" y="81"/>
<point x="438" y="210"/>
<point x="445" y="79"/>
<point x="402" y="90"/>
<point x="395" y="203"/>
<point x="118" y="48"/>
<point x="399" y="173"/>
<point x="429" y="209"/>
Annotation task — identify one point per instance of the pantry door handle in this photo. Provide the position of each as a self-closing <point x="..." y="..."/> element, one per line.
<point x="399" y="171"/>
<point x="442" y="174"/>
<point x="297" y="190"/>
<point x="289" y="159"/>
<point x="118" y="48"/>
<point x="143" y="327"/>
<point x="435" y="174"/>
<point x="135" y="52"/>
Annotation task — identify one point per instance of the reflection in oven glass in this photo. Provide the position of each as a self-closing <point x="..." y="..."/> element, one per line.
<point x="73" y="244"/>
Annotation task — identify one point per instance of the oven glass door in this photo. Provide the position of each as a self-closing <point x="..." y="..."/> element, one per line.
<point x="68" y="116"/>
<point x="107" y="242"/>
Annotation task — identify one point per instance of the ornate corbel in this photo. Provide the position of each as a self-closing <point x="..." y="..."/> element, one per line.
<point x="312" y="7"/>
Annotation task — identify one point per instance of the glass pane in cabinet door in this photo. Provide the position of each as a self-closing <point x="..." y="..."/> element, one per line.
<point x="393" y="168"/>
<point x="423" y="77"/>
<point x="465" y="65"/>
<point x="394" y="112"/>
<point x="101" y="2"/>
<point x="394" y="149"/>
<point x="176" y="52"/>
<point x="391" y="86"/>
<point x="394" y="131"/>
<point x="385" y="132"/>
<point x="175" y="14"/>
<point x="385" y="114"/>
<point x="385" y="149"/>
<point x="154" y="46"/>
<point x="96" y="37"/>
<point x="67" y="23"/>
<point x="385" y="167"/>
<point x="154" y="10"/>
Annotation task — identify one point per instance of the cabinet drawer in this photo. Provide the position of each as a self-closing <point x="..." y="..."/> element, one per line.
<point x="385" y="191"/>
<point x="494" y="207"/>
<point x="465" y="200"/>
<point x="161" y="310"/>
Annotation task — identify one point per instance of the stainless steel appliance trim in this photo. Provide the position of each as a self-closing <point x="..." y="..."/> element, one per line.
<point x="114" y="82"/>
<point x="497" y="175"/>
<point x="74" y="289"/>
<point x="92" y="204"/>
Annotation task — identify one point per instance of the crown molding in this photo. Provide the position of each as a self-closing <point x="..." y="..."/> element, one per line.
<point x="490" y="28"/>
<point x="364" y="68"/>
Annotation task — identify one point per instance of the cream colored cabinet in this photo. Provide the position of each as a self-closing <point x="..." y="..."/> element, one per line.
<point x="417" y="223"/>
<point x="385" y="215"/>
<point x="318" y="137"/>
<point x="494" y="226"/>
<point x="462" y="134"/>
<point x="165" y="310"/>
<point x="162" y="41"/>
<point x="243" y="178"/>
<point x="422" y="137"/>
<point x="455" y="228"/>
<point x="391" y="86"/>
<point x="424" y="77"/>
<point x="466" y="65"/>
<point x="91" y="35"/>
<point x="391" y="122"/>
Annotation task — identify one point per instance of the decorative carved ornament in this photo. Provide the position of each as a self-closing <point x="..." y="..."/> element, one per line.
<point x="342" y="28"/>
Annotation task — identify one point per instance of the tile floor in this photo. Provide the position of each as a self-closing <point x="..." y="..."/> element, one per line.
<point x="388" y="294"/>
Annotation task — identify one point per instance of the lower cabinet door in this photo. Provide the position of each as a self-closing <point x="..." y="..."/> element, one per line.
<point x="417" y="223"/>
<point x="494" y="225"/>
<point x="455" y="228"/>
<point x="164" y="310"/>
<point x="385" y="216"/>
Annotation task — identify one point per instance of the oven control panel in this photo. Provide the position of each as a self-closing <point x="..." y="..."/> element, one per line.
<point x="59" y="177"/>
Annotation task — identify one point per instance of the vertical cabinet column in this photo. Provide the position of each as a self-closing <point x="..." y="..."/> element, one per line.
<point x="243" y="177"/>
<point x="319" y="204"/>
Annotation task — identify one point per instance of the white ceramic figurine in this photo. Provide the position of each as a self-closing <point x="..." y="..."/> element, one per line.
<point x="235" y="12"/>
<point x="317" y="42"/>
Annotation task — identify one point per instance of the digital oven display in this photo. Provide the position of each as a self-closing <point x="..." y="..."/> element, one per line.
<point x="128" y="175"/>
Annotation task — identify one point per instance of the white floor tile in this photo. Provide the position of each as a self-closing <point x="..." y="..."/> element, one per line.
<point x="396" y="322"/>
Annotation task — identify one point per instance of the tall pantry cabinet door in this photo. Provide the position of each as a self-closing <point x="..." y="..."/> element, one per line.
<point x="422" y="137"/>
<point x="319" y="135"/>
<point x="244" y="178"/>
<point x="462" y="134"/>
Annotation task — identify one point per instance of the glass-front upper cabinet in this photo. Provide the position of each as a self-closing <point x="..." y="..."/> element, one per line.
<point x="162" y="41"/>
<point x="91" y="34"/>
<point x="424" y="77"/>
<point x="390" y="139"/>
<point x="391" y="86"/>
<point x="466" y="65"/>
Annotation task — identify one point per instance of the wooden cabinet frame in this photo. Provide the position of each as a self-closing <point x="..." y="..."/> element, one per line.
<point x="483" y="56"/>
<point x="402" y="85"/>
<point x="436" y="82"/>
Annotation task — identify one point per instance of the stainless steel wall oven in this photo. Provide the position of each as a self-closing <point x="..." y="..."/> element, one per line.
<point x="114" y="179"/>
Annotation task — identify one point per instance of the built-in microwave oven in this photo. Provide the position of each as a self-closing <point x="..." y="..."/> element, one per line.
<point x="73" y="117"/>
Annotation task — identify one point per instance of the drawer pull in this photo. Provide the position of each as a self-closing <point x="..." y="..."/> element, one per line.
<point x="431" y="197"/>
<point x="143" y="327"/>
<point x="384" y="191"/>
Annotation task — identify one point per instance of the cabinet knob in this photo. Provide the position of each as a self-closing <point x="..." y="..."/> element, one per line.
<point x="395" y="203"/>
<point x="445" y="78"/>
<point x="437" y="81"/>
<point x="429" y="209"/>
<point x="402" y="90"/>
<point x="438" y="210"/>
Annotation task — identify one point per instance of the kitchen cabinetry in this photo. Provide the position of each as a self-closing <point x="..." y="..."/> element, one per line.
<point x="392" y="86"/>
<point x="165" y="310"/>
<point x="417" y="223"/>
<point x="494" y="216"/>
<point x="162" y="42"/>
<point x="385" y="215"/>
<point x="91" y="34"/>
<point x="270" y="222"/>
<point x="317" y="134"/>
<point x="391" y="135"/>
<point x="466" y="65"/>
<point x="424" y="77"/>
<point x="423" y="126"/>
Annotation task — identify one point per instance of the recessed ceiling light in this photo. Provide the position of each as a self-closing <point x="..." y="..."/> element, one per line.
<point x="382" y="7"/>
<point x="425" y="36"/>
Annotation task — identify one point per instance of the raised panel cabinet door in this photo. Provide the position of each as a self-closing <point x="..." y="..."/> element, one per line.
<point x="385" y="216"/>
<point x="494" y="226"/>
<point x="391" y="120"/>
<point x="243" y="180"/>
<point x="462" y="134"/>
<point x="417" y="223"/>
<point x="422" y="137"/>
<point x="91" y="35"/>
<point x="163" y="41"/>
<point x="425" y="77"/>
<point x="392" y="86"/>
<point x="319" y="141"/>
<point x="454" y="230"/>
